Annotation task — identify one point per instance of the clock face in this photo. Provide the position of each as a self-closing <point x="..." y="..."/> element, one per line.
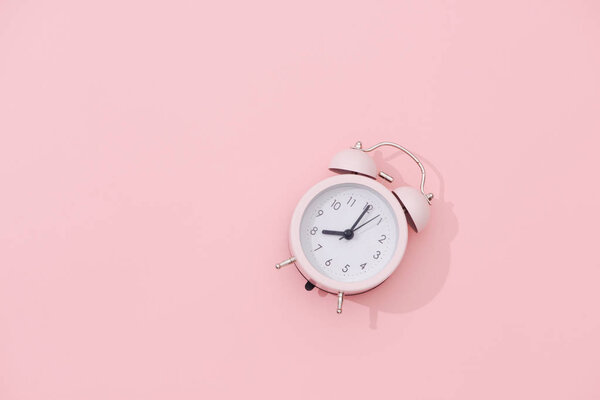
<point x="338" y="250"/>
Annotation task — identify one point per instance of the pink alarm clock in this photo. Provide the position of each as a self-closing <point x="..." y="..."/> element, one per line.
<point x="348" y="233"/>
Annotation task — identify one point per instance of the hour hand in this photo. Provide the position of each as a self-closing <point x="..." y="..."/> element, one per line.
<point x="347" y="234"/>
<point x="328" y="232"/>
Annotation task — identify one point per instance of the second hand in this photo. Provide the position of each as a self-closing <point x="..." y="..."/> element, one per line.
<point x="360" y="226"/>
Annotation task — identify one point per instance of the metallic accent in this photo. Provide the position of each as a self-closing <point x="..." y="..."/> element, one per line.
<point x="386" y="176"/>
<point x="286" y="262"/>
<point x="358" y="145"/>
<point x="428" y="196"/>
<point x="340" y="301"/>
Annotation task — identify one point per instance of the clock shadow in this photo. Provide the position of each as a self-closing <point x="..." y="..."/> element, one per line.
<point x="425" y="266"/>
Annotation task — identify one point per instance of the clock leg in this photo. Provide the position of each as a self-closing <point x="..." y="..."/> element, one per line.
<point x="340" y="301"/>
<point x="286" y="262"/>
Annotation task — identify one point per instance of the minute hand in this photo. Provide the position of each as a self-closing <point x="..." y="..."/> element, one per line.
<point x="360" y="217"/>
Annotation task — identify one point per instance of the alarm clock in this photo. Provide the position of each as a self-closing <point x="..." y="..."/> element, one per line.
<point x="348" y="233"/>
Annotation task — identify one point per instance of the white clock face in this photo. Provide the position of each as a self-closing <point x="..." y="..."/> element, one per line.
<point x="340" y="247"/>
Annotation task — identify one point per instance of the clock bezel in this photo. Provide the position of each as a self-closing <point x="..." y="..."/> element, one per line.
<point x="315" y="276"/>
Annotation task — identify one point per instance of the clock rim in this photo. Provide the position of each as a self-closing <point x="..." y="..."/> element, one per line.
<point x="315" y="276"/>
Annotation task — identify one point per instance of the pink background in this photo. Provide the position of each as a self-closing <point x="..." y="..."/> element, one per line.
<point x="151" y="155"/>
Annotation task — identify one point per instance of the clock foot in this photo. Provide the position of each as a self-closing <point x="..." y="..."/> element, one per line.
<point x="286" y="262"/>
<point x="309" y="286"/>
<point x="340" y="301"/>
